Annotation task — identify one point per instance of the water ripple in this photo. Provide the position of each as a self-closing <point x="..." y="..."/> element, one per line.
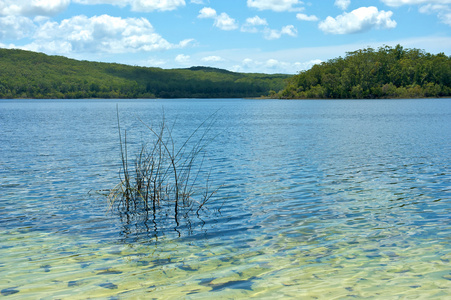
<point x="319" y="199"/>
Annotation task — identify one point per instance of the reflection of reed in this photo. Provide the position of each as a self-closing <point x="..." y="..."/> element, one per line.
<point x="161" y="185"/>
<point x="144" y="226"/>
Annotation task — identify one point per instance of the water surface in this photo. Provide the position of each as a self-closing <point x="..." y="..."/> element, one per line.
<point x="320" y="199"/>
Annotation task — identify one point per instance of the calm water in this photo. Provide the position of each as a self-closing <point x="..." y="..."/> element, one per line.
<point x="320" y="199"/>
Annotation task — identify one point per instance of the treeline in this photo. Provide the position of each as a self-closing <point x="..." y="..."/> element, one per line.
<point x="366" y="74"/>
<point x="25" y="74"/>
<point x="363" y="74"/>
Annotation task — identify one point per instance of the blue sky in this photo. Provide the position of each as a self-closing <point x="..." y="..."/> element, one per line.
<point x="267" y="36"/>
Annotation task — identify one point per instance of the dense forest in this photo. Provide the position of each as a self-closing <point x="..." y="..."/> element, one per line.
<point x="25" y="74"/>
<point x="365" y="74"/>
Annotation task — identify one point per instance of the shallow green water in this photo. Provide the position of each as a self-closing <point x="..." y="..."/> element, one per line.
<point x="48" y="267"/>
<point x="320" y="200"/>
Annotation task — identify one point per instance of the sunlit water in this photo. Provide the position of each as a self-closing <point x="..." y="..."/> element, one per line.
<point x="319" y="200"/>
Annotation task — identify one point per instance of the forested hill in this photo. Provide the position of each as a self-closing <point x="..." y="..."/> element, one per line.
<point x="25" y="74"/>
<point x="385" y="73"/>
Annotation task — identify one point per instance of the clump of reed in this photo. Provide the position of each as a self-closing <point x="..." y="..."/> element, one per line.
<point x="162" y="181"/>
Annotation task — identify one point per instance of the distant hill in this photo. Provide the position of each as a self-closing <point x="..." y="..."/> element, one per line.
<point x="384" y="73"/>
<point x="25" y="74"/>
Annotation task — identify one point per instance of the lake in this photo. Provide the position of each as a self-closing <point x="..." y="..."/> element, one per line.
<point x="318" y="199"/>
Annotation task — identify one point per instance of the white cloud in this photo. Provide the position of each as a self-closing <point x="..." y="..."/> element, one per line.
<point x="145" y="5"/>
<point x="396" y="3"/>
<point x="106" y="34"/>
<point x="272" y="34"/>
<point x="41" y="19"/>
<point x="304" y="17"/>
<point x="151" y="5"/>
<point x="185" y="43"/>
<point x="443" y="12"/>
<point x="33" y="7"/>
<point x="16" y="27"/>
<point x="293" y="60"/>
<point x="182" y="59"/>
<point x="197" y="1"/>
<point x="273" y="65"/>
<point x="343" y="4"/>
<point x="276" y="5"/>
<point x="256" y="21"/>
<point x="139" y="5"/>
<point x="358" y="20"/>
<point x="53" y="7"/>
<point x="222" y="21"/>
<point x="440" y="7"/>
<point x="212" y="58"/>
<point x="289" y="30"/>
<point x="121" y="3"/>
<point x="252" y="23"/>
<point x="207" y="13"/>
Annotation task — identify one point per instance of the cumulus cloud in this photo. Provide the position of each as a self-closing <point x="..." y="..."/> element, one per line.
<point x="343" y="4"/>
<point x="256" y="21"/>
<point x="185" y="43"/>
<point x="212" y="58"/>
<point x="16" y="27"/>
<point x="276" y="5"/>
<point x="273" y="65"/>
<point x="304" y="17"/>
<point x="151" y="5"/>
<point x="182" y="59"/>
<point x="272" y="34"/>
<point x="252" y="24"/>
<point x="443" y="12"/>
<point x="107" y="34"/>
<point x="289" y="30"/>
<point x="255" y="24"/>
<point x="32" y="8"/>
<point x="222" y="21"/>
<point x="111" y="2"/>
<point x="53" y="7"/>
<point x="396" y="3"/>
<point x="358" y="20"/>
<point x="440" y="7"/>
<point x="139" y="5"/>
<point x="207" y="13"/>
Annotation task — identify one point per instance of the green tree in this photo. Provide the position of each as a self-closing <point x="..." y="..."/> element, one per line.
<point x="368" y="73"/>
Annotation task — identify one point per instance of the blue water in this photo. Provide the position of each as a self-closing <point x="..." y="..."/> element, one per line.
<point x="318" y="199"/>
